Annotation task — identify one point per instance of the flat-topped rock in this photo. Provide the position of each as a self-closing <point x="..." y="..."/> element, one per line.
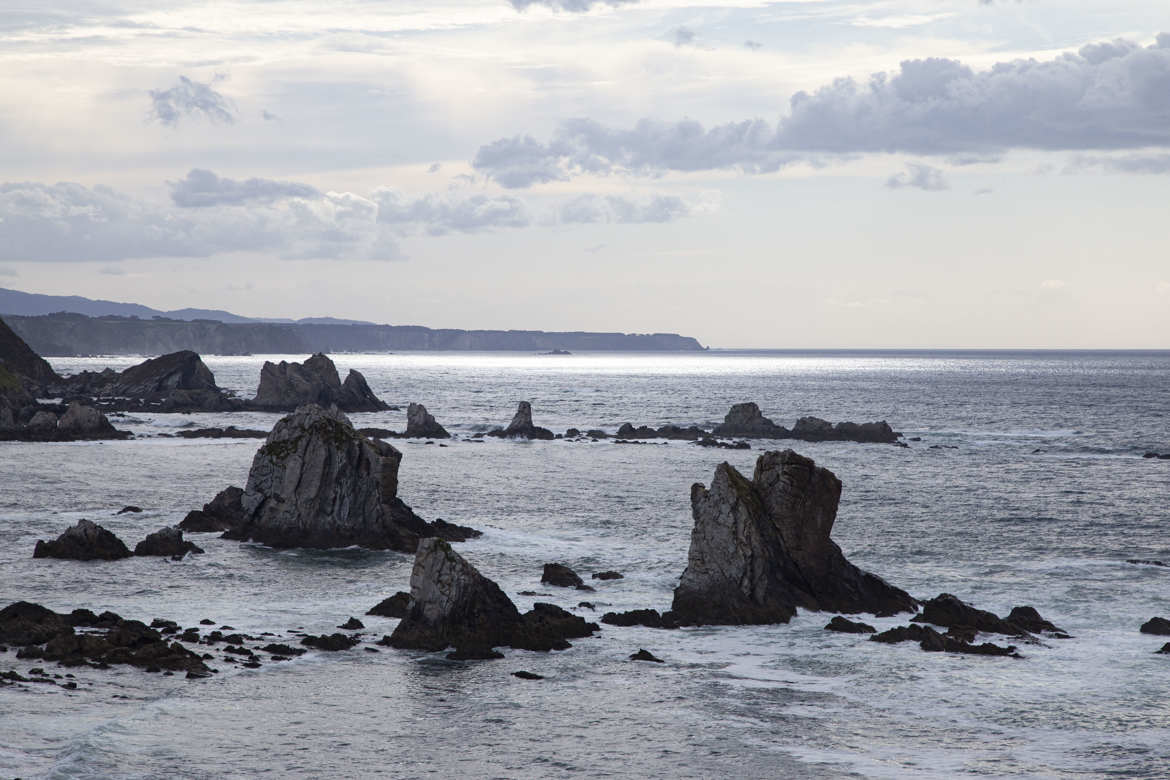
<point x="317" y="482"/>
<point x="166" y="542"/>
<point x="521" y="426"/>
<point x="421" y="424"/>
<point x="761" y="548"/>
<point x="86" y="541"/>
<point x="816" y="429"/>
<point x="285" y="386"/>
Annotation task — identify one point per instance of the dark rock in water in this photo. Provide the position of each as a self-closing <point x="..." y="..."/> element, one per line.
<point x="746" y="420"/>
<point x="207" y="622"/>
<point x="1157" y="455"/>
<point x="23" y="623"/>
<point x="1158" y="626"/>
<point x="317" y="482"/>
<point x="646" y="655"/>
<point x="760" y="548"/>
<point x="166" y="541"/>
<point x="80" y="422"/>
<point x="353" y="624"/>
<point x="816" y="429"/>
<point x="723" y="445"/>
<point x="572" y="433"/>
<point x="607" y="575"/>
<point x="1165" y="649"/>
<point x="394" y="607"/>
<point x="849" y="627"/>
<point x="950" y="611"/>
<point x="225" y="511"/>
<point x="521" y="426"/>
<point x="230" y="432"/>
<point x="283" y="649"/>
<point x="692" y="433"/>
<point x="285" y="386"/>
<point x="330" y="642"/>
<point x="562" y="576"/>
<point x="450" y="531"/>
<point x="86" y="541"/>
<point x="523" y="675"/>
<point x="129" y="509"/>
<point x="378" y="433"/>
<point x="1144" y="562"/>
<point x="177" y="382"/>
<point x="585" y="605"/>
<point x="1029" y="620"/>
<point x="420" y="424"/>
<point x="596" y="434"/>
<point x="453" y="605"/>
<point x="640" y="617"/>
<point x="932" y="641"/>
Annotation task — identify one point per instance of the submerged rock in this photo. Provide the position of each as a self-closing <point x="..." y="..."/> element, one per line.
<point x="86" y="541"/>
<point x="934" y="642"/>
<point x="521" y="426"/>
<point x="317" y="482"/>
<point x="225" y="511"/>
<point x="453" y="605"/>
<point x="420" y="424"/>
<point x="760" y="548"/>
<point x="646" y="655"/>
<point x="168" y="542"/>
<point x="285" y="386"/>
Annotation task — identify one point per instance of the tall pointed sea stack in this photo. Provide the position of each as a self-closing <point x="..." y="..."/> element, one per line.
<point x="760" y="548"/>
<point x="421" y="424"/>
<point x="521" y="426"/>
<point x="317" y="482"/>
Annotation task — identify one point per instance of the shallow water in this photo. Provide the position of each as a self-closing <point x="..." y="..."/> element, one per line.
<point x="1044" y="498"/>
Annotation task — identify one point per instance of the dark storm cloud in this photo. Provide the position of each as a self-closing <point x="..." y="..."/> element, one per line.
<point x="191" y="98"/>
<point x="1107" y="96"/>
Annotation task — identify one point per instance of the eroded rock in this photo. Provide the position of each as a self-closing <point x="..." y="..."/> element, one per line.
<point x="86" y="541"/>
<point x="421" y="424"/>
<point x="225" y="511"/>
<point x="167" y="542"/>
<point x="521" y="426"/>
<point x="285" y="386"/>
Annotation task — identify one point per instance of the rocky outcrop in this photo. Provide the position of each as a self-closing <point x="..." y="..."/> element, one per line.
<point x="640" y="617"/>
<point x="951" y="612"/>
<point x="85" y="422"/>
<point x="748" y="421"/>
<point x="176" y="382"/>
<point x="690" y="433"/>
<point x="317" y="482"/>
<point x="395" y="606"/>
<point x="521" y="426"/>
<point x="421" y="424"/>
<point x="845" y="626"/>
<point x="230" y="432"/>
<point x="1157" y="626"/>
<point x="285" y="386"/>
<point x="86" y="541"/>
<point x="453" y="605"/>
<point x="562" y="576"/>
<point x="19" y="359"/>
<point x="166" y="542"/>
<point x="79" y="422"/>
<point x="225" y="511"/>
<point x="933" y="642"/>
<point x="760" y="548"/>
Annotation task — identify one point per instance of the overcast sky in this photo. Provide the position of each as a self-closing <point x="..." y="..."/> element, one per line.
<point x="818" y="173"/>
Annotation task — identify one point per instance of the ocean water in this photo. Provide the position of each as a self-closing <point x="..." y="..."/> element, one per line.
<point x="1042" y="499"/>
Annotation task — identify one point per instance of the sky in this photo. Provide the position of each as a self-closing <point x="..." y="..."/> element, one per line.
<point x="805" y="174"/>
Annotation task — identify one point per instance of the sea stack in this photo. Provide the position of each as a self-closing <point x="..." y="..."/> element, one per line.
<point x="285" y="386"/>
<point x="421" y="424"/>
<point x="521" y="426"/>
<point x="760" y="548"/>
<point x="317" y="482"/>
<point x="746" y="419"/>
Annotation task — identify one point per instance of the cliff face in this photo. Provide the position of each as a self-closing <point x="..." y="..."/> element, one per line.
<point x="75" y="334"/>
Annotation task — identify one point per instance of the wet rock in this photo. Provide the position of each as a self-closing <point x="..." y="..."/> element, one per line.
<point x="849" y="626"/>
<point x="523" y="675"/>
<point x="230" y="432"/>
<point x="283" y="649"/>
<point x="317" y="482"/>
<point x="747" y="420"/>
<point x="129" y="509"/>
<point x="420" y="424"/>
<point x="176" y="382"/>
<point x="453" y="605"/>
<point x="167" y="541"/>
<point x="585" y="605"/>
<point x="23" y="623"/>
<point x="1144" y="562"/>
<point x="816" y="429"/>
<point x="562" y="576"/>
<point x="1157" y="456"/>
<point x="395" y="606"/>
<point x="85" y="422"/>
<point x="86" y="541"/>
<point x="353" y="624"/>
<point x="521" y="426"/>
<point x="949" y="611"/>
<point x="595" y="433"/>
<point x="1029" y="620"/>
<point x="1158" y="626"/>
<point x="723" y="445"/>
<point x="932" y="641"/>
<point x="1165" y="649"/>
<point x="645" y="655"/>
<point x="19" y="359"/>
<point x="607" y="575"/>
<point x="286" y="386"/>
<point x="760" y="548"/>
<point x="641" y="617"/>
<point x="225" y="511"/>
<point x="330" y="642"/>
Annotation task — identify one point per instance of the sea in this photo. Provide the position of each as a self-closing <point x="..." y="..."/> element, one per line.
<point x="1024" y="484"/>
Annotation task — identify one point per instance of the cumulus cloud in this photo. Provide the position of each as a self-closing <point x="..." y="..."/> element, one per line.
<point x="202" y="188"/>
<point x="191" y="98"/>
<point x="1107" y="96"/>
<point x="572" y="6"/>
<point x="454" y="213"/>
<point x="918" y="176"/>
<point x="612" y="208"/>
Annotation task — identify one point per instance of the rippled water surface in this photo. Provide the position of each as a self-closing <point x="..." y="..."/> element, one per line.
<point x="1043" y="498"/>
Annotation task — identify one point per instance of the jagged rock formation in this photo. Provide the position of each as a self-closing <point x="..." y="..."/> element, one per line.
<point x="690" y="433"/>
<point x="78" y="423"/>
<point x="224" y="511"/>
<point x="845" y="626"/>
<point x="395" y="606"/>
<point x="317" y="482"/>
<point x="18" y="358"/>
<point x="760" y="548"/>
<point x="747" y="421"/>
<point x="86" y="541"/>
<point x="176" y="382"/>
<point x="421" y="424"/>
<point x="951" y="612"/>
<point x="166" y="542"/>
<point x="285" y="386"/>
<point x="521" y="426"/>
<point x="453" y="605"/>
<point x="933" y="642"/>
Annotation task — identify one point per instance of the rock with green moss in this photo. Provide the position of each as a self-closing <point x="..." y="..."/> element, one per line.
<point x="760" y="548"/>
<point x="317" y="482"/>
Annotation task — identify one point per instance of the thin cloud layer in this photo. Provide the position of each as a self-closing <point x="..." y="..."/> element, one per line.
<point x="918" y="176"/>
<point x="439" y="215"/>
<point x="1106" y="96"/>
<point x="572" y="6"/>
<point x="190" y="98"/>
<point x="615" y="209"/>
<point x="202" y="188"/>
